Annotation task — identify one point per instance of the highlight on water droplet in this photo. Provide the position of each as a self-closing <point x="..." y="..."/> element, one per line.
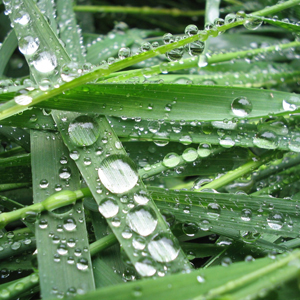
<point x="118" y="173"/>
<point x="241" y="107"/>
<point x="108" y="207"/>
<point x="45" y="62"/>
<point x="145" y="267"/>
<point x="28" y="45"/>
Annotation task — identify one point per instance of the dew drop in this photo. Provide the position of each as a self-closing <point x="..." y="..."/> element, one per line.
<point x="84" y="131"/>
<point x="171" y="160"/>
<point x="118" y="173"/>
<point x="65" y="173"/>
<point x="252" y="23"/>
<point x="108" y="207"/>
<point x="145" y="267"/>
<point x="241" y="107"/>
<point x="142" y="220"/>
<point x="124" y="52"/>
<point x="82" y="264"/>
<point x="230" y="18"/>
<point x="43" y="224"/>
<point x="74" y="155"/>
<point x="44" y="183"/>
<point x="204" y="150"/>
<point x="191" y="30"/>
<point x="168" y="38"/>
<point x="141" y="198"/>
<point x="266" y="139"/>
<point x="190" y="154"/>
<point x="23" y="99"/>
<point x="62" y="249"/>
<point x="69" y="224"/>
<point x="139" y="243"/>
<point x="246" y="214"/>
<point x="275" y="220"/>
<point x="45" y="62"/>
<point x="196" y="48"/>
<point x="227" y="142"/>
<point x="28" y="45"/>
<point x="213" y="210"/>
<point x="294" y="144"/>
<point x="22" y="18"/>
<point x="164" y="248"/>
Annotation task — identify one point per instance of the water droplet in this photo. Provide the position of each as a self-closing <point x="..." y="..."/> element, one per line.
<point x="87" y="161"/>
<point x="141" y="198"/>
<point x="84" y="131"/>
<point x="74" y="155"/>
<point x="154" y="126"/>
<point x="196" y="48"/>
<point x="70" y="260"/>
<point x="145" y="267"/>
<point x="175" y="54"/>
<point x="213" y="210"/>
<point x="191" y="30"/>
<point x="204" y="150"/>
<point x="82" y="264"/>
<point x="124" y="52"/>
<point x="168" y="38"/>
<point x="146" y="47"/>
<point x="70" y="71"/>
<point x="28" y="45"/>
<point x="71" y="243"/>
<point x="246" y="214"/>
<point x="226" y="141"/>
<point x="230" y="18"/>
<point x="288" y="106"/>
<point x="15" y="246"/>
<point x="164" y="247"/>
<point x="190" y="229"/>
<point x="69" y="224"/>
<point x="275" y="220"/>
<point x="249" y="237"/>
<point x="62" y="249"/>
<point x="65" y="173"/>
<point x="22" y="18"/>
<point x="142" y="219"/>
<point x="45" y="62"/>
<point x="252" y="23"/>
<point x="108" y="207"/>
<point x="190" y="154"/>
<point x="200" y="279"/>
<point x="294" y="144"/>
<point x="44" y="183"/>
<point x="266" y="139"/>
<point x="241" y="107"/>
<point x="139" y="243"/>
<point x="219" y="22"/>
<point x="43" y="224"/>
<point x="171" y="160"/>
<point x="205" y="225"/>
<point x="226" y="261"/>
<point x="127" y="233"/>
<point x="118" y="173"/>
<point x="23" y="99"/>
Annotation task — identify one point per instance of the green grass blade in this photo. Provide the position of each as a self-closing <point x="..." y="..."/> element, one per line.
<point x="92" y="140"/>
<point x="64" y="225"/>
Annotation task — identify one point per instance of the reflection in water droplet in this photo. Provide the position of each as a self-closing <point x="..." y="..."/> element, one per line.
<point x="139" y="243"/>
<point x="141" y="197"/>
<point x="145" y="267"/>
<point x="45" y="62"/>
<point x="108" y="208"/>
<point x="241" y="106"/>
<point x="164" y="247"/>
<point x="44" y="183"/>
<point x="84" y="131"/>
<point x="190" y="154"/>
<point x="74" y="155"/>
<point x="246" y="214"/>
<point x="227" y="142"/>
<point x="118" y="173"/>
<point x="62" y="249"/>
<point x="213" y="210"/>
<point x="142" y="220"/>
<point x="43" y="224"/>
<point x="65" y="173"/>
<point x="294" y="144"/>
<point x="82" y="264"/>
<point x="171" y="160"/>
<point x="204" y="150"/>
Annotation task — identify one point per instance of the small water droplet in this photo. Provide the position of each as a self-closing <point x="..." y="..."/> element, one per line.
<point x="145" y="267"/>
<point x="74" y="155"/>
<point x="65" y="173"/>
<point x="190" y="154"/>
<point x="191" y="30"/>
<point x="275" y="220"/>
<point x="213" y="210"/>
<point x="62" y="249"/>
<point x="44" y="183"/>
<point x="139" y="243"/>
<point x="23" y="99"/>
<point x="171" y="160"/>
<point x="43" y="223"/>
<point x="45" y="62"/>
<point x="82" y="264"/>
<point x="246" y="214"/>
<point x="69" y="224"/>
<point x="28" y="45"/>
<point x="266" y="139"/>
<point x="141" y="198"/>
<point x="124" y="52"/>
<point x="252" y="23"/>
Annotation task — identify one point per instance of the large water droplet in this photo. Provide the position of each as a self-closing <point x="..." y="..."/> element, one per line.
<point x="171" y="160"/>
<point x="82" y="264"/>
<point x="191" y="30"/>
<point x="69" y="224"/>
<point x="190" y="154"/>
<point x="28" y="45"/>
<point x="266" y="139"/>
<point x="241" y="106"/>
<point x="45" y="62"/>
<point x="141" y="198"/>
<point x="252" y="23"/>
<point x="196" y="48"/>
<point x="142" y="219"/>
<point x="84" y="131"/>
<point x="145" y="267"/>
<point x="204" y="150"/>
<point x="23" y="99"/>
<point x="164" y="248"/>
<point x="118" y="173"/>
<point x="108" y="208"/>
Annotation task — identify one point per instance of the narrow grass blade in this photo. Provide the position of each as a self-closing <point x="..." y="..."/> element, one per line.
<point x="57" y="232"/>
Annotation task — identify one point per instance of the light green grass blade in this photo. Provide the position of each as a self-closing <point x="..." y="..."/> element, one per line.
<point x="95" y="148"/>
<point x="57" y="232"/>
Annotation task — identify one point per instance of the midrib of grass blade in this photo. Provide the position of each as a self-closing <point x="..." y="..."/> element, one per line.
<point x="46" y="53"/>
<point x="58" y="232"/>
<point x="254" y="214"/>
<point x="201" y="284"/>
<point x="95" y="147"/>
<point x="11" y="107"/>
